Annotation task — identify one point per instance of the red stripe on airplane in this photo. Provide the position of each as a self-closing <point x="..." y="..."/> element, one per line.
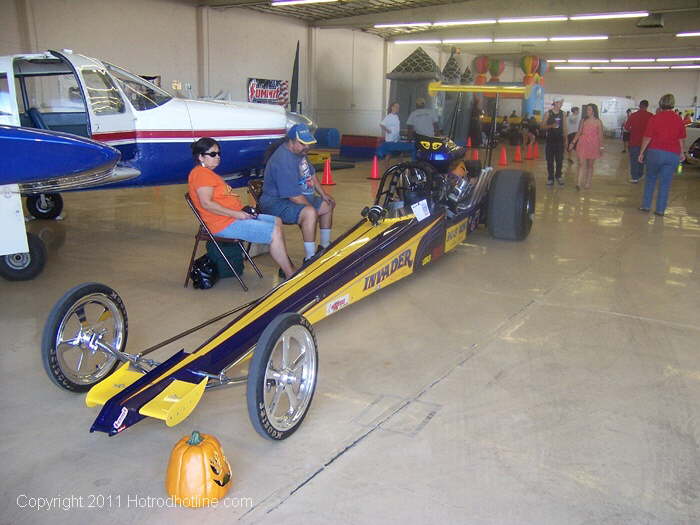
<point x="177" y="134"/>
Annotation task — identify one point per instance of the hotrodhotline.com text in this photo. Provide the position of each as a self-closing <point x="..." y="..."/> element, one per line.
<point x="127" y="501"/>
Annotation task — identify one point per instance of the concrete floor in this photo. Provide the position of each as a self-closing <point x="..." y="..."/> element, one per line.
<point x="555" y="380"/>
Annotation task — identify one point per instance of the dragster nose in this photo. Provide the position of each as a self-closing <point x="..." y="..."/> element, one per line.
<point x="40" y="155"/>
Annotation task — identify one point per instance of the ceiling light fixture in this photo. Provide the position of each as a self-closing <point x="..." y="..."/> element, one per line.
<point x="686" y="67"/>
<point x="696" y="33"/>
<point x="609" y="67"/>
<point x="467" y="41"/>
<point x="524" y="19"/>
<point x="282" y="3"/>
<point x="555" y="60"/>
<point x="588" y="60"/>
<point x="417" y="41"/>
<point x="412" y="24"/>
<point x="632" y="59"/>
<point x="603" y="16"/>
<point x="521" y="39"/>
<point x="649" y="67"/>
<point x="464" y="22"/>
<point x="677" y="59"/>
<point x="575" y="38"/>
<point x="571" y="67"/>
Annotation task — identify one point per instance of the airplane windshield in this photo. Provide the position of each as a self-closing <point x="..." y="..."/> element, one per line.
<point x="5" y="108"/>
<point x="142" y="94"/>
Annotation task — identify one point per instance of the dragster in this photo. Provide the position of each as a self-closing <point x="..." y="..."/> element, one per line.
<point x="419" y="214"/>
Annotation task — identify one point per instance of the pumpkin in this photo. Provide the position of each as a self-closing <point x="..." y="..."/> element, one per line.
<point x="198" y="472"/>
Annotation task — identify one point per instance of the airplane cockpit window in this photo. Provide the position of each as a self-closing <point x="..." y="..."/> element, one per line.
<point x="5" y="108"/>
<point x="142" y="94"/>
<point x="102" y="93"/>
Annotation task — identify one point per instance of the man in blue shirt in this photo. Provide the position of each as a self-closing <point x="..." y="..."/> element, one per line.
<point x="292" y="192"/>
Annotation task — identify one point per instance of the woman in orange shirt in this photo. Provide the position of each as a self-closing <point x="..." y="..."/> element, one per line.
<point x="222" y="211"/>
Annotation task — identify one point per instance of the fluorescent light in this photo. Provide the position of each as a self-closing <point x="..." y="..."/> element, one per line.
<point x="417" y="41"/>
<point x="649" y="67"/>
<point x="686" y="67"/>
<point x="696" y="33"/>
<point x="571" y="67"/>
<point x="467" y="41"/>
<point x="575" y="38"/>
<point x="522" y="39"/>
<point x="678" y="59"/>
<point x="555" y="60"/>
<point x="632" y="60"/>
<point x="412" y="24"/>
<point x="282" y="3"/>
<point x="465" y="22"/>
<point x="601" y="16"/>
<point x="609" y="67"/>
<point x="588" y="60"/>
<point x="553" y="18"/>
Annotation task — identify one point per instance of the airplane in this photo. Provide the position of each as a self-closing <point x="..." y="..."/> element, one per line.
<point x="69" y="92"/>
<point x="33" y="160"/>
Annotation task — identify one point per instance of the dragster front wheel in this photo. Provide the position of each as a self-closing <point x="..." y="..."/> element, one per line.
<point x="282" y="376"/>
<point x="86" y="315"/>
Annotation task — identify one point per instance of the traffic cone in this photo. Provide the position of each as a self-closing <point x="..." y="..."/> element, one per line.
<point x="469" y="142"/>
<point x="518" y="154"/>
<point x="528" y="155"/>
<point x="503" y="161"/>
<point x="375" y="169"/>
<point x="327" y="179"/>
<point x="475" y="154"/>
<point x="536" y="153"/>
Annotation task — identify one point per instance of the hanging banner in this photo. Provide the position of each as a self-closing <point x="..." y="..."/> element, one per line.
<point x="266" y="91"/>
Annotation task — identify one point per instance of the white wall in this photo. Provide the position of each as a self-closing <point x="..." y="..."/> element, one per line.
<point x="349" y="76"/>
<point x="10" y="36"/>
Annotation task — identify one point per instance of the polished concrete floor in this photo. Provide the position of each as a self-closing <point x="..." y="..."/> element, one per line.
<point x="555" y="380"/>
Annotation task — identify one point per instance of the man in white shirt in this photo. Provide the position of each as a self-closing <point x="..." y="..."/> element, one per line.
<point x="391" y="127"/>
<point x="573" y="119"/>
<point x="422" y="121"/>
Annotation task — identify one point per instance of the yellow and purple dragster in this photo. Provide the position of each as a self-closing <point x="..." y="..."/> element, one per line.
<point x="419" y="214"/>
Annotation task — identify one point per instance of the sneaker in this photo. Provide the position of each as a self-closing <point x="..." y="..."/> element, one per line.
<point x="550" y="182"/>
<point x="659" y="214"/>
<point x="560" y="181"/>
<point x="633" y="181"/>
<point x="281" y="274"/>
<point x="642" y="208"/>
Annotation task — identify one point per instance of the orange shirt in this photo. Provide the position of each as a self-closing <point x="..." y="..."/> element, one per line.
<point x="223" y="195"/>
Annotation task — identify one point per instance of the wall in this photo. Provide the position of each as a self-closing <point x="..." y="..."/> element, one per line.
<point x="349" y="75"/>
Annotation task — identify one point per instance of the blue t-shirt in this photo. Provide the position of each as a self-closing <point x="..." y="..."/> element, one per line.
<point x="288" y="175"/>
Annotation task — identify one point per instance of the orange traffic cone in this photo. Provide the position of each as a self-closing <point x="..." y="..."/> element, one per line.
<point x="536" y="153"/>
<point x="475" y="154"/>
<point x="503" y="161"/>
<point x="518" y="155"/>
<point x="375" y="169"/>
<point x="327" y="179"/>
<point x="528" y="155"/>
<point x="469" y="142"/>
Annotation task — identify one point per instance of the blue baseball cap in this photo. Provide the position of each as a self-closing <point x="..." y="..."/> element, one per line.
<point x="302" y="133"/>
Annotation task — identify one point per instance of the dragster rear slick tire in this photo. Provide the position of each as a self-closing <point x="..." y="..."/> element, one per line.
<point x="60" y="341"/>
<point x="511" y="205"/>
<point x="282" y="376"/>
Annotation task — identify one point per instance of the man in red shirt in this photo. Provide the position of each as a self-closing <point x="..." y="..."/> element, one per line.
<point x="636" y="124"/>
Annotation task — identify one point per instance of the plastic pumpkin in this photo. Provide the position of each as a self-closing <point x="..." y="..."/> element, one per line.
<point x="198" y="472"/>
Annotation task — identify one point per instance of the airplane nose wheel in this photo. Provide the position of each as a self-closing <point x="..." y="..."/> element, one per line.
<point x="87" y="315"/>
<point x="45" y="205"/>
<point x="282" y="376"/>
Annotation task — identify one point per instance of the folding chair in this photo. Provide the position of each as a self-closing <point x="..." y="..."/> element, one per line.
<point x="204" y="234"/>
<point x="255" y="188"/>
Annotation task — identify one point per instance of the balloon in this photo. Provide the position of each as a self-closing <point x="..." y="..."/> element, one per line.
<point x="496" y="67"/>
<point x="481" y="64"/>
<point x="543" y="67"/>
<point x="480" y="80"/>
<point x="529" y="64"/>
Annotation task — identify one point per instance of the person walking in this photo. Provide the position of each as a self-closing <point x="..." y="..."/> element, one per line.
<point x="588" y="143"/>
<point x="556" y="127"/>
<point x="636" y="125"/>
<point x="391" y="126"/>
<point x="663" y="145"/>
<point x="573" y="120"/>
<point x="626" y="133"/>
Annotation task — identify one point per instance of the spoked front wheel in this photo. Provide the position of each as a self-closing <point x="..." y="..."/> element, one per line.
<point x="282" y="376"/>
<point x="86" y="315"/>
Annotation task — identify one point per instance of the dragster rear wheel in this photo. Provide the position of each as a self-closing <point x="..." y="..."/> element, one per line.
<point x="87" y="313"/>
<point x="282" y="376"/>
<point x="511" y="205"/>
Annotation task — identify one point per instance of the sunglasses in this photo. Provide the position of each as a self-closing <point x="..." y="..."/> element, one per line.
<point x="212" y="154"/>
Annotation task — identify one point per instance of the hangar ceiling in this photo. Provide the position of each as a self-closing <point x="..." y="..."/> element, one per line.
<point x="625" y="37"/>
